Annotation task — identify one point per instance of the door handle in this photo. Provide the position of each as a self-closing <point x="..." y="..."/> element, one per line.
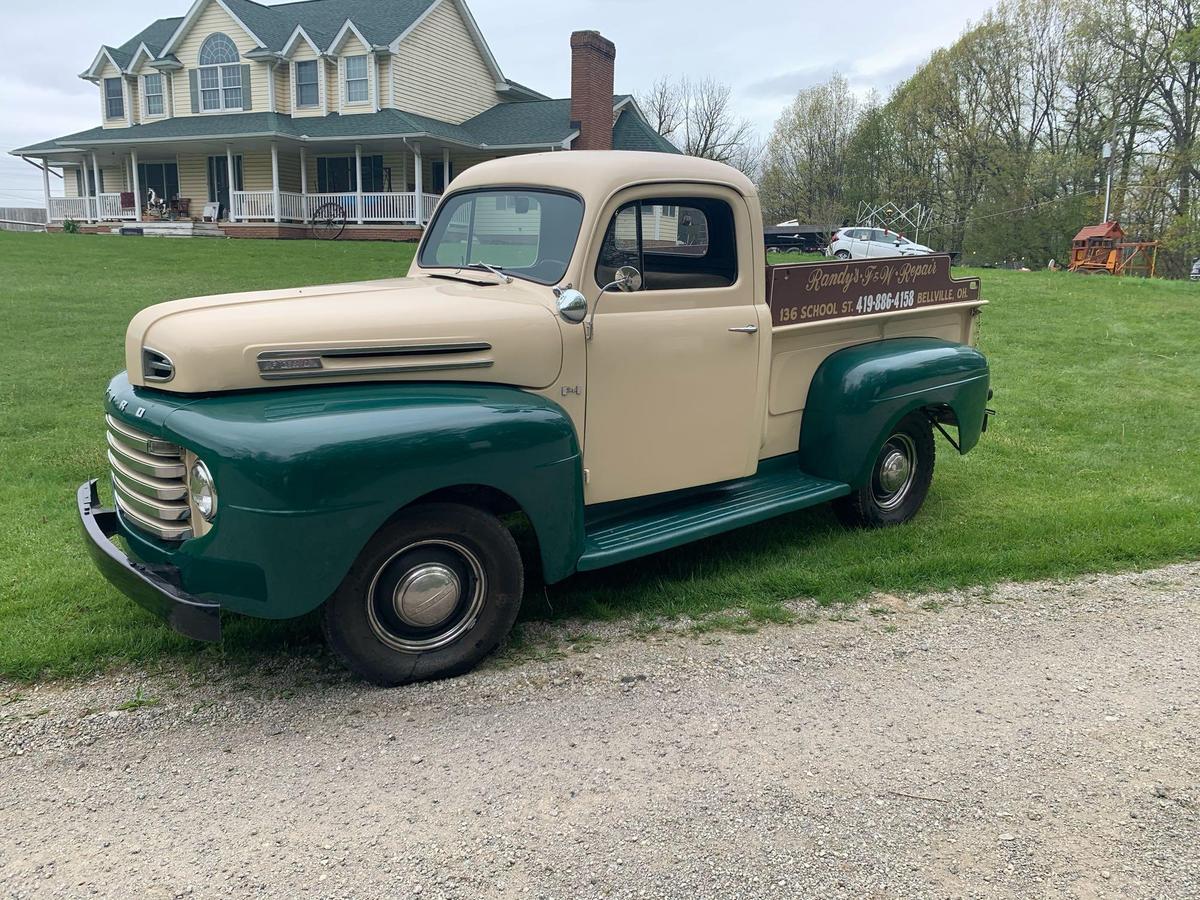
<point x="746" y="329"/>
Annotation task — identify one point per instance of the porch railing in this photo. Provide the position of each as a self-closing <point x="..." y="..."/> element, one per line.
<point x="63" y="208"/>
<point x="110" y="208"/>
<point x="293" y="207"/>
<point x="105" y="208"/>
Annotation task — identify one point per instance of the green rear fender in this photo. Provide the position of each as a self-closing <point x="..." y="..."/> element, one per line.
<point x="305" y="477"/>
<point x="859" y="394"/>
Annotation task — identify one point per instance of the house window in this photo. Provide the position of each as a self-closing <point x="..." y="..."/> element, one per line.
<point x="155" y="101"/>
<point x="697" y="248"/>
<point x="357" y="88"/>
<point x="114" y="98"/>
<point x="335" y="175"/>
<point x="163" y="178"/>
<point x="308" y="91"/>
<point x="220" y="76"/>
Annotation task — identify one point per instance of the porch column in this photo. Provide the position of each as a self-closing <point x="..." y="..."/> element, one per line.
<point x="275" y="198"/>
<point x="95" y="201"/>
<point x="137" y="186"/>
<point x="46" y="187"/>
<point x="358" y="198"/>
<point x="445" y="169"/>
<point x="232" y="182"/>
<point x="418" y="187"/>
<point x="304" y="183"/>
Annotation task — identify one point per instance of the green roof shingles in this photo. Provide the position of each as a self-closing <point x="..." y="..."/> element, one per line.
<point x="525" y="124"/>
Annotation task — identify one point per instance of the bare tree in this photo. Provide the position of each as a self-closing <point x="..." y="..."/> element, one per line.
<point x="663" y="105"/>
<point x="698" y="117"/>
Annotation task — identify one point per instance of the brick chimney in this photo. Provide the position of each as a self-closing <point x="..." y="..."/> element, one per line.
<point x="593" y="60"/>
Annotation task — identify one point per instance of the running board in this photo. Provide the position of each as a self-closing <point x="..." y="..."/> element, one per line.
<point x="617" y="532"/>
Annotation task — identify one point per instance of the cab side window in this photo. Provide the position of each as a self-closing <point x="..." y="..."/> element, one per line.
<point x="676" y="243"/>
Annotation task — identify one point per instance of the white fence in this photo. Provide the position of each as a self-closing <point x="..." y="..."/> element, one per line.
<point x="376" y="207"/>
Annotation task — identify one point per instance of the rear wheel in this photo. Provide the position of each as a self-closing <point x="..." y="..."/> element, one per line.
<point x="900" y="478"/>
<point x="431" y="595"/>
<point x="842" y="254"/>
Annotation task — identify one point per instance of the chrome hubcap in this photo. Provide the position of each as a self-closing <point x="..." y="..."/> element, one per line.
<point x="895" y="471"/>
<point x="427" y="595"/>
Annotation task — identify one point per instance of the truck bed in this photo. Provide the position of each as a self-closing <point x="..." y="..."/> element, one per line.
<point x="820" y="308"/>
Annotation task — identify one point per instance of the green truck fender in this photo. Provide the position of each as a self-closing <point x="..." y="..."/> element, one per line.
<point x="306" y="477"/>
<point x="860" y="393"/>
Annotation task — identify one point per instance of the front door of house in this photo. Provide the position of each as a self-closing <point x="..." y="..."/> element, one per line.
<point x="218" y="181"/>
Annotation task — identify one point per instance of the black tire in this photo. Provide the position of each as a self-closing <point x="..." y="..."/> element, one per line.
<point x="842" y="254"/>
<point x="881" y="501"/>
<point x="383" y="621"/>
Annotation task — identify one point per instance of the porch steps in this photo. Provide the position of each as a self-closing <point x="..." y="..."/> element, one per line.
<point x="173" y="229"/>
<point x="616" y="532"/>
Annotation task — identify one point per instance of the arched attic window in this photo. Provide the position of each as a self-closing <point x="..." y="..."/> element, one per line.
<point x="220" y="74"/>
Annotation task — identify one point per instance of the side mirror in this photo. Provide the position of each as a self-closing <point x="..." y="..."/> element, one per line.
<point x="626" y="279"/>
<point x="572" y="306"/>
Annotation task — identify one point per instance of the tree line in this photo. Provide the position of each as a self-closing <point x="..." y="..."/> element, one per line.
<point x="1007" y="136"/>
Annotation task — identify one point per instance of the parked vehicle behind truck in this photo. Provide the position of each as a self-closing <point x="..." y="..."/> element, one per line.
<point x="590" y="339"/>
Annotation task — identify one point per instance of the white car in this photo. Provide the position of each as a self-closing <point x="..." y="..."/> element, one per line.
<point x="863" y="243"/>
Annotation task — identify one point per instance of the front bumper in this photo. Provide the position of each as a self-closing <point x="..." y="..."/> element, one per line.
<point x="151" y="587"/>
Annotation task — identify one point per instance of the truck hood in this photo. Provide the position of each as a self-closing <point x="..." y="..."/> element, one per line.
<point x="401" y="329"/>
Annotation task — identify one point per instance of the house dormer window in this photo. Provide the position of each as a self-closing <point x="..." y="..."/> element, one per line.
<point x="114" y="98"/>
<point x="358" y="88"/>
<point x="220" y="74"/>
<point x="308" y="89"/>
<point x="155" y="99"/>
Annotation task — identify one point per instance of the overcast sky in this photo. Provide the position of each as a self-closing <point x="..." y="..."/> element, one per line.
<point x="765" y="50"/>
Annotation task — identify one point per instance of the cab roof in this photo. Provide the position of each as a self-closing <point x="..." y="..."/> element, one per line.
<point x="598" y="174"/>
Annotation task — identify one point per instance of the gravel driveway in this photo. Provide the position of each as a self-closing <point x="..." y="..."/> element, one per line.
<point x="1032" y="740"/>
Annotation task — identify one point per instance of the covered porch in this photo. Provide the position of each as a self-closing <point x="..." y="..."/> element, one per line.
<point x="255" y="183"/>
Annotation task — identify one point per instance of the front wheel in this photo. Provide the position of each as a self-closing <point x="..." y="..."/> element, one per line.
<point x="900" y="478"/>
<point x="842" y="254"/>
<point x="432" y="594"/>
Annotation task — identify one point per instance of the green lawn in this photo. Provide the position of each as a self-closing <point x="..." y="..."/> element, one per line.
<point x="1091" y="464"/>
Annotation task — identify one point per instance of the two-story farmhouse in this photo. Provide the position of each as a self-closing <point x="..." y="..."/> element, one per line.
<point x="257" y="116"/>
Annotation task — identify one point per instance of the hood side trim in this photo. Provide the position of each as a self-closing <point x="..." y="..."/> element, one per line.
<point x="376" y="370"/>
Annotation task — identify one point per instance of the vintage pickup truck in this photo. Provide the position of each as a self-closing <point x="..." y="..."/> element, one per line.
<point x="592" y="341"/>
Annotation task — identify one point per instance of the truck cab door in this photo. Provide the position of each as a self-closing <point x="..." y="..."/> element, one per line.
<point x="674" y="397"/>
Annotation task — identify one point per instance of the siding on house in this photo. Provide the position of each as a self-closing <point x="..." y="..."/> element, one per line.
<point x="283" y="89"/>
<point x="439" y="71"/>
<point x="212" y="20"/>
<point x="193" y="180"/>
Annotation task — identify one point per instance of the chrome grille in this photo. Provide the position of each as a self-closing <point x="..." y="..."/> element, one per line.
<point x="149" y="479"/>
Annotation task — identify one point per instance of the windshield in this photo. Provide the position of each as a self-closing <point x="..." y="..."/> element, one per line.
<point x="526" y="233"/>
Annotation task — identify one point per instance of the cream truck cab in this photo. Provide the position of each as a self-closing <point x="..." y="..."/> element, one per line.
<point x="591" y="340"/>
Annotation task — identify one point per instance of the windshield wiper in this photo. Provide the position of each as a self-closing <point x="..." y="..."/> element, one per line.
<point x="495" y="270"/>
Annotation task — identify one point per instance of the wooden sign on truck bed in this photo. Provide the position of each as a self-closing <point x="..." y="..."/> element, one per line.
<point x="813" y="292"/>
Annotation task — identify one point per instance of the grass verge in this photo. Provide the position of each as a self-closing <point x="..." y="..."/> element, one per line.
<point x="1090" y="466"/>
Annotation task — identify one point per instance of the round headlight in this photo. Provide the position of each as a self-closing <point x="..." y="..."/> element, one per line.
<point x="204" y="492"/>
